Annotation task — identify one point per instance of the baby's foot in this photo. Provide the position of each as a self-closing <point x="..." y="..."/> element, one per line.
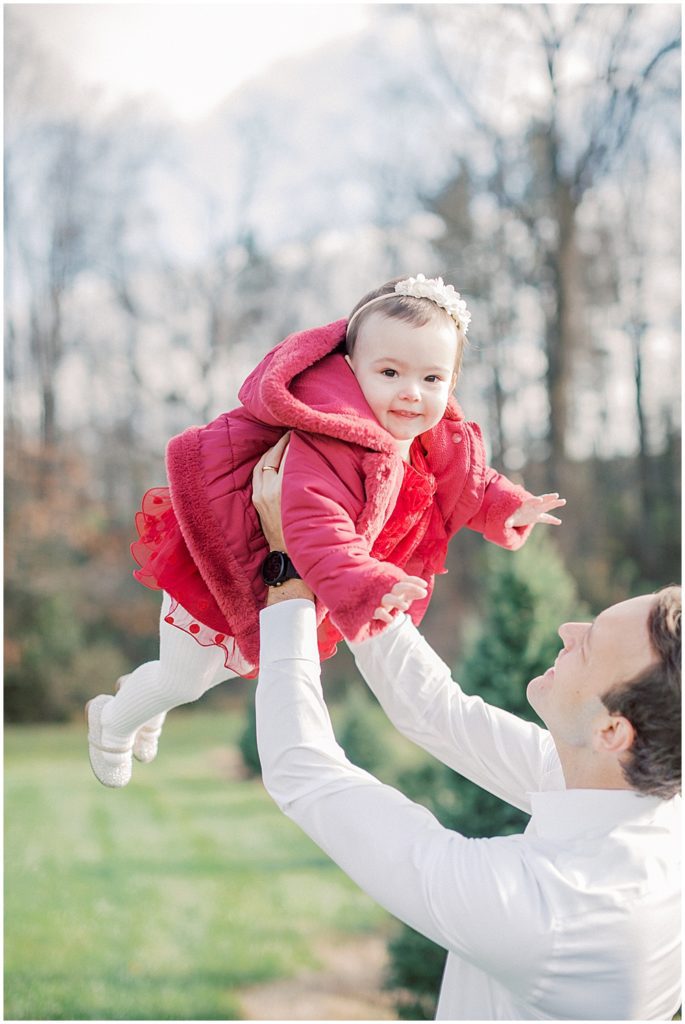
<point x="146" y="740"/>
<point x="111" y="763"/>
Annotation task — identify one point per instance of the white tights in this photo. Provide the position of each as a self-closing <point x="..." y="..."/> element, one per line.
<point x="184" y="672"/>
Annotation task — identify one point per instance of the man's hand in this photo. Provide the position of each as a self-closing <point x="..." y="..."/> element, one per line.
<point x="411" y="588"/>
<point x="535" y="510"/>
<point x="267" y="480"/>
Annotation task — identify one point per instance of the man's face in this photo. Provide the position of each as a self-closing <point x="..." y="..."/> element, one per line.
<point x="596" y="656"/>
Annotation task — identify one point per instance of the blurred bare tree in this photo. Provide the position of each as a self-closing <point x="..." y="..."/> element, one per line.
<point x="554" y="94"/>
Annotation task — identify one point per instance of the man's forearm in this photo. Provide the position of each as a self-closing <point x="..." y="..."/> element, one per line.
<point x="374" y="833"/>
<point x="297" y="748"/>
<point x="498" y="751"/>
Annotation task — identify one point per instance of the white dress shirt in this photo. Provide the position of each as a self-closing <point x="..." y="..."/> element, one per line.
<point x="576" y="919"/>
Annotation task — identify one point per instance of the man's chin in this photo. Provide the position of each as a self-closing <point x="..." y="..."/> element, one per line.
<point x="536" y="688"/>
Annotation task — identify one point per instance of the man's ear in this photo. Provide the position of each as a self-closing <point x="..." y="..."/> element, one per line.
<point x="614" y="735"/>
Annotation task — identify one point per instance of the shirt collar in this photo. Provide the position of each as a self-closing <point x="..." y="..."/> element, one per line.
<point x="571" y="813"/>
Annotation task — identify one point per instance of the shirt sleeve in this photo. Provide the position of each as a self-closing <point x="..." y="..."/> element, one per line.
<point x="493" y="748"/>
<point x="474" y="897"/>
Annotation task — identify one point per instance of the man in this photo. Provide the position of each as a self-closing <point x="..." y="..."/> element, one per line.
<point x="579" y="918"/>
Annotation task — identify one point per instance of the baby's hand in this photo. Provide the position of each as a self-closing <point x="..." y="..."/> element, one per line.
<point x="411" y="588"/>
<point x="535" y="510"/>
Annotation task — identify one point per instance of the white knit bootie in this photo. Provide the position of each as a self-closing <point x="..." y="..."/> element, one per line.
<point x="146" y="739"/>
<point x="111" y="764"/>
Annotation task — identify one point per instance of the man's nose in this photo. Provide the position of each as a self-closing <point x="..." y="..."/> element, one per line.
<point x="570" y="631"/>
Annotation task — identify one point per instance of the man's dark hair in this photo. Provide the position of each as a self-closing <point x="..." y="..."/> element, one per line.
<point x="652" y="704"/>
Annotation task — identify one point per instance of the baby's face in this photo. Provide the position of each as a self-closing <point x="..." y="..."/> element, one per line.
<point x="406" y="373"/>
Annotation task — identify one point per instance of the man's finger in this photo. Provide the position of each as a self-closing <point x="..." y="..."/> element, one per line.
<point x="273" y="456"/>
<point x="279" y="452"/>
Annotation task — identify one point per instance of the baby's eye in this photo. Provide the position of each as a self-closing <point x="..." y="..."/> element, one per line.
<point x="433" y="378"/>
<point x="389" y="372"/>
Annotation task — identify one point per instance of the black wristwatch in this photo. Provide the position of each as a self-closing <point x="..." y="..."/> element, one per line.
<point x="277" y="568"/>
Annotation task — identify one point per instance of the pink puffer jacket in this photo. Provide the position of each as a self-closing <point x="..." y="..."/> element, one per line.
<point x="341" y="481"/>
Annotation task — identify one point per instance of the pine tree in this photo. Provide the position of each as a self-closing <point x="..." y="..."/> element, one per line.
<point x="527" y="596"/>
<point x="247" y="742"/>
<point x="358" y="733"/>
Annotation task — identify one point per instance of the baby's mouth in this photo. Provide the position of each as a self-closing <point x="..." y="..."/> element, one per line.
<point x="405" y="413"/>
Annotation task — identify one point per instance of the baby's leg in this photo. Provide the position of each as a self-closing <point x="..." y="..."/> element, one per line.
<point x="184" y="672"/>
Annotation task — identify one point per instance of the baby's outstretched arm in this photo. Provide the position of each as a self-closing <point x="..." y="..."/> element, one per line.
<point x="536" y="510"/>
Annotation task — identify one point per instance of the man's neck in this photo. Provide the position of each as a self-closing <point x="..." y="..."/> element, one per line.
<point x="586" y="769"/>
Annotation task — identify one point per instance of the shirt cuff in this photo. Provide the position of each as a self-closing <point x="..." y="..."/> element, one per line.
<point x="287" y="631"/>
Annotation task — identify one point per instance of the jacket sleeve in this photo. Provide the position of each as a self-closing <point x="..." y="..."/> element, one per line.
<point x="501" y="499"/>
<point x="320" y="506"/>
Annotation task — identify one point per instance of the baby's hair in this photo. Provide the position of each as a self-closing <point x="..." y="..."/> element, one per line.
<point x="412" y="310"/>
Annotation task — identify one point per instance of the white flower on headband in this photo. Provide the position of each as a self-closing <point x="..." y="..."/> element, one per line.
<point x="435" y="289"/>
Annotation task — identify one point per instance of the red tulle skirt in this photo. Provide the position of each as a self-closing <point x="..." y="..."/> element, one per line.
<point x="165" y="563"/>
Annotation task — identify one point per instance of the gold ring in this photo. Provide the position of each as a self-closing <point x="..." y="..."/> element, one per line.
<point x="264" y="469"/>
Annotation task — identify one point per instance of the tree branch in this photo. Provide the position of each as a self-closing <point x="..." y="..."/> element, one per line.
<point x="625" y="100"/>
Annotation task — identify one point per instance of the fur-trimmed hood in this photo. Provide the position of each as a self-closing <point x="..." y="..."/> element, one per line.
<point x="324" y="400"/>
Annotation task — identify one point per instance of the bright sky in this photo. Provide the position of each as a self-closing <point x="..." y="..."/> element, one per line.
<point x="189" y="55"/>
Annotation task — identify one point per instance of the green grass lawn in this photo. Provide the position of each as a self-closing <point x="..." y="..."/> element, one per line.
<point x="160" y="900"/>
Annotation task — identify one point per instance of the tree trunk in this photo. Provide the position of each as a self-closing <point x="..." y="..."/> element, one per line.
<point x="48" y="415"/>
<point x="647" y="486"/>
<point x="561" y="328"/>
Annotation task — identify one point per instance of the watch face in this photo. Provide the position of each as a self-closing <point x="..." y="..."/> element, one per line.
<point x="273" y="567"/>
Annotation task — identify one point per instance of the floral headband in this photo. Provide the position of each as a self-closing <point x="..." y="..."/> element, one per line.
<point x="433" y="288"/>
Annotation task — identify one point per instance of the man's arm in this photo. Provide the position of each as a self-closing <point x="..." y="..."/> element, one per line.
<point x="498" y="751"/>
<point x="474" y="897"/>
<point x="493" y="748"/>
